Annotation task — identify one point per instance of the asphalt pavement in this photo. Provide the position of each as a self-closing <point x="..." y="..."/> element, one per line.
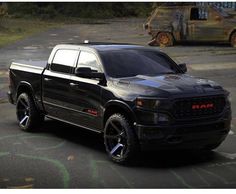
<point x="63" y="156"/>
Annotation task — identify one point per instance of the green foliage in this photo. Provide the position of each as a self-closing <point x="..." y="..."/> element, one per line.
<point x="3" y="12"/>
<point x="27" y="10"/>
<point x="79" y="9"/>
<point x="14" y="29"/>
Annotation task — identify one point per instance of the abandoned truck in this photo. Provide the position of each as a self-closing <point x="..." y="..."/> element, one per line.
<point x="136" y="96"/>
<point x="168" y="25"/>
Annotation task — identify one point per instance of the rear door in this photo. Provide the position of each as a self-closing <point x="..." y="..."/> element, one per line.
<point x="56" y="81"/>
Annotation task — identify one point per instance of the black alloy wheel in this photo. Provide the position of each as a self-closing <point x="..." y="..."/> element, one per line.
<point x="119" y="139"/>
<point x="27" y="114"/>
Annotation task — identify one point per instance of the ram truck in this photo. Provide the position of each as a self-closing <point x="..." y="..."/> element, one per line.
<point x="136" y="96"/>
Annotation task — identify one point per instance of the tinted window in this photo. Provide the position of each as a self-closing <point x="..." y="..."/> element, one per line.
<point x="198" y="14"/>
<point x="129" y="63"/>
<point x="87" y="59"/>
<point x="64" y="60"/>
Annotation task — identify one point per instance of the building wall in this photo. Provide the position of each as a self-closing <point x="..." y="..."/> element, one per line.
<point x="231" y="6"/>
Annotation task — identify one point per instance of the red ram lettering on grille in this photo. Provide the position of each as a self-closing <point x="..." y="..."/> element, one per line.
<point x="202" y="106"/>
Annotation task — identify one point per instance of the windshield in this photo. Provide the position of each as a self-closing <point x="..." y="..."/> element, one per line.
<point x="130" y="63"/>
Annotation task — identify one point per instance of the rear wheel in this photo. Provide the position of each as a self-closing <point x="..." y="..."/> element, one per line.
<point x="119" y="139"/>
<point x="165" y="39"/>
<point x="233" y="40"/>
<point x="27" y="114"/>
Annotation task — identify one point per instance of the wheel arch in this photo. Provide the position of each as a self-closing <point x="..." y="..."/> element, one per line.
<point x="116" y="106"/>
<point x="25" y="87"/>
<point x="169" y="32"/>
<point x="232" y="32"/>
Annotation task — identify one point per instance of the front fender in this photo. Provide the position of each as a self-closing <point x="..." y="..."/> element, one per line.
<point x="122" y="105"/>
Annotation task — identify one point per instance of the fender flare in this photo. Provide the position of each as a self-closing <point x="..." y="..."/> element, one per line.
<point x="124" y="106"/>
<point x="28" y="86"/>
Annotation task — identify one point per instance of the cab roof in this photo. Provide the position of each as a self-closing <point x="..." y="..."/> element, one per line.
<point x="107" y="46"/>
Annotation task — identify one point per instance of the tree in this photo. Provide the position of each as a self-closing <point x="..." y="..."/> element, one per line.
<point x="3" y="12"/>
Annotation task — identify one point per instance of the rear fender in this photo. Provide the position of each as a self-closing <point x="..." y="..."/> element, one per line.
<point x="25" y="87"/>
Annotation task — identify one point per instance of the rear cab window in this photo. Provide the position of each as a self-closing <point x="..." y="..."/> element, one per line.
<point x="64" y="61"/>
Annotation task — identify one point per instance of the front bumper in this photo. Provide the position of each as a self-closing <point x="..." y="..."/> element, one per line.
<point x="184" y="136"/>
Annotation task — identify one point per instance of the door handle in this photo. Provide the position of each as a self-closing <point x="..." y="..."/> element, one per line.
<point x="73" y="84"/>
<point x="47" y="79"/>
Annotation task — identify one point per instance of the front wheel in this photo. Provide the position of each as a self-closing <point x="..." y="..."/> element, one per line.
<point x="27" y="114"/>
<point x="165" y="39"/>
<point x="119" y="139"/>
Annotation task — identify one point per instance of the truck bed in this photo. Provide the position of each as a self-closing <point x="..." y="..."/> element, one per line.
<point x="35" y="66"/>
<point x="27" y="73"/>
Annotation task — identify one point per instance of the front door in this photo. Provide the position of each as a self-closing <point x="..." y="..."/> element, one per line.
<point x="85" y="94"/>
<point x="205" y="25"/>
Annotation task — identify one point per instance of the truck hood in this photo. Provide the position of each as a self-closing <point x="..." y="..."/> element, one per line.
<point x="166" y="85"/>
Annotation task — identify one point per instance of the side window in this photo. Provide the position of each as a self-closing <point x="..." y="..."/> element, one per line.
<point x="198" y="14"/>
<point x="203" y="13"/>
<point x="64" y="61"/>
<point x="87" y="59"/>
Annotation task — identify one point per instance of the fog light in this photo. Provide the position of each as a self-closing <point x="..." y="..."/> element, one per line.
<point x="160" y="118"/>
<point x="163" y="118"/>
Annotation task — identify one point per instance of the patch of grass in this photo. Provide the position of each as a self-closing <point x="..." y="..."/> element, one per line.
<point x="12" y="30"/>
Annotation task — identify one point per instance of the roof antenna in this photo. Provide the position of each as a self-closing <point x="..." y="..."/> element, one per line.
<point x="86" y="41"/>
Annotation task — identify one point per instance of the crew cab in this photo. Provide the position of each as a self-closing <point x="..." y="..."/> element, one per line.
<point x="136" y="96"/>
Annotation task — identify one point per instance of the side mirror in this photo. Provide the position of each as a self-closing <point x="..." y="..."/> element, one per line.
<point x="183" y="67"/>
<point x="87" y="72"/>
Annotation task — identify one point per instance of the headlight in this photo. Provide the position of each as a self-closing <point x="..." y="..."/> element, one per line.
<point x="147" y="103"/>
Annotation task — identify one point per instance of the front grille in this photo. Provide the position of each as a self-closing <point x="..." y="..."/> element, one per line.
<point x="183" y="108"/>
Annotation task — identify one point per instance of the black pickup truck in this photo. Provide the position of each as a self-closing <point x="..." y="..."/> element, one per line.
<point x="138" y="97"/>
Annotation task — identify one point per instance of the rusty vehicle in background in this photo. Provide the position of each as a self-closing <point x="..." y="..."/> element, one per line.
<point x="170" y="24"/>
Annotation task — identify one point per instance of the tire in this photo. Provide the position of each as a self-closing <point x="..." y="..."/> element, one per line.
<point x="165" y="39"/>
<point x="28" y="116"/>
<point x="233" y="40"/>
<point x="119" y="139"/>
